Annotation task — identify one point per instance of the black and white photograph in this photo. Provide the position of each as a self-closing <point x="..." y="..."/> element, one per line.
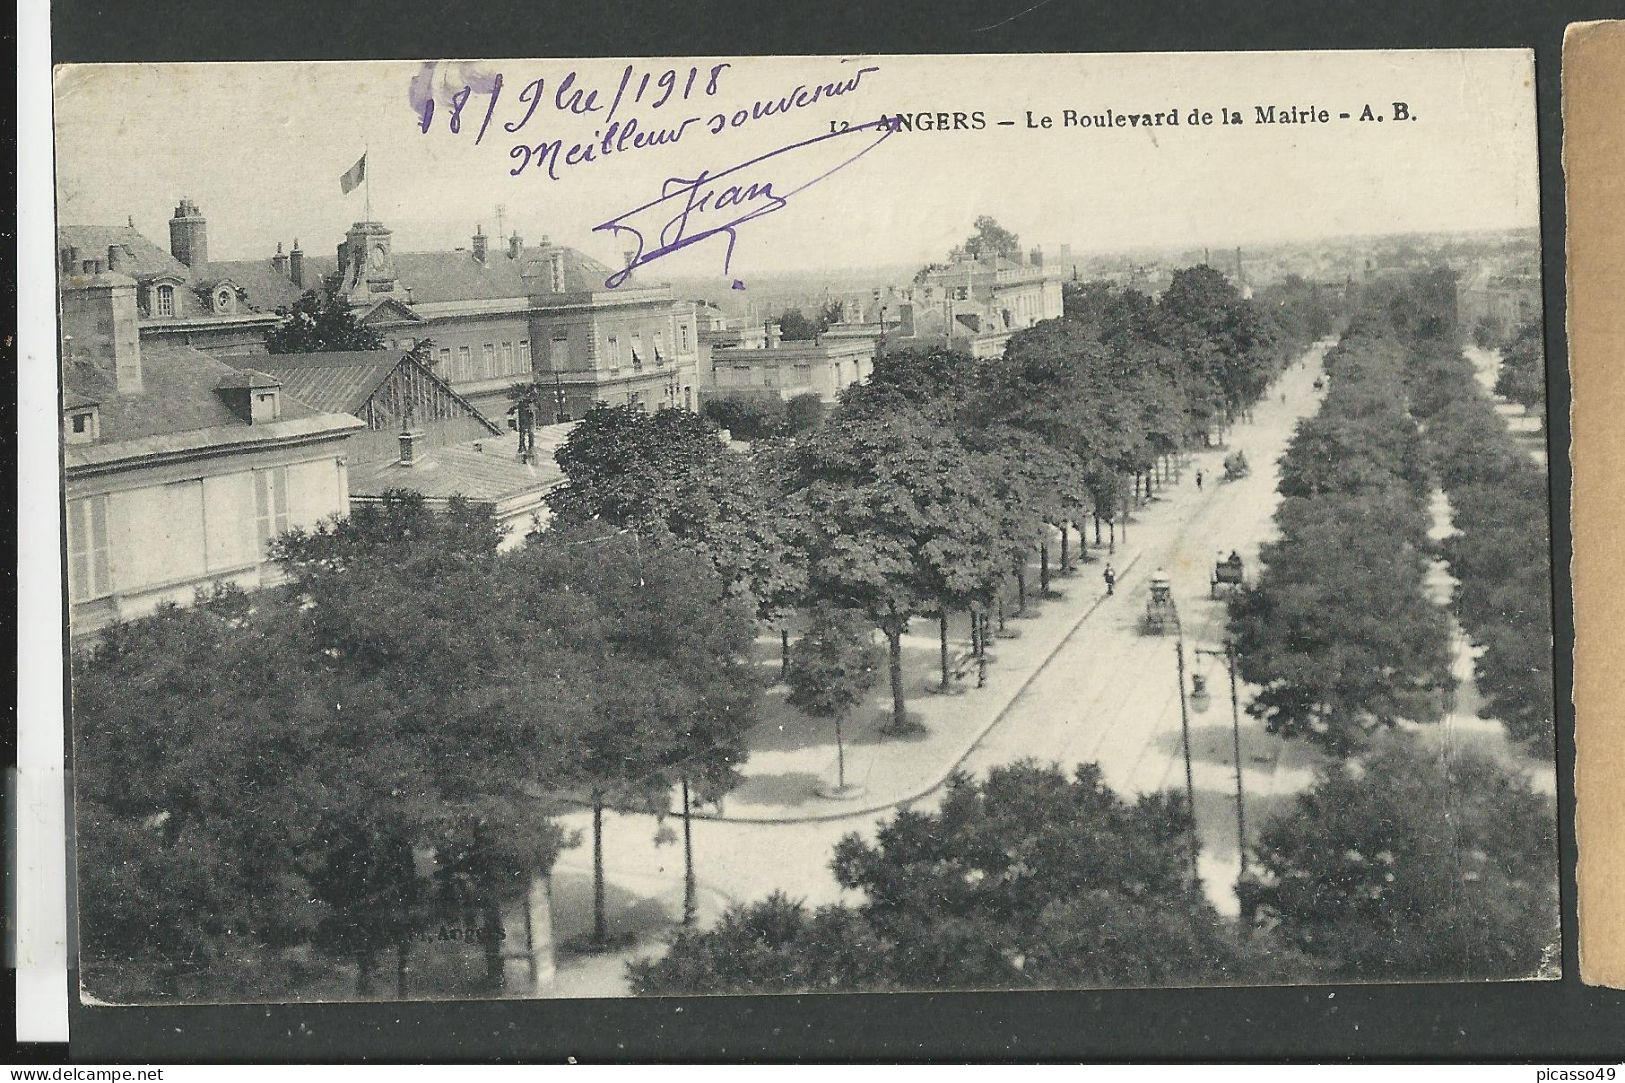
<point x="649" y="527"/>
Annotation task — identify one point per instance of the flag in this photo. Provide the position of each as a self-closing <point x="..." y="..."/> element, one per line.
<point x="355" y="176"/>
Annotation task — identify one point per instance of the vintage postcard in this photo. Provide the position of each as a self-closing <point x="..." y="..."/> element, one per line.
<point x="659" y="526"/>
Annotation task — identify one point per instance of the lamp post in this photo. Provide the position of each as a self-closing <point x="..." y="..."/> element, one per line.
<point x="1199" y="701"/>
<point x="1185" y="735"/>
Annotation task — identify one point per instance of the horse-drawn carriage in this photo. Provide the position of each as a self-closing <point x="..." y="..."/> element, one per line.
<point x="1236" y="466"/>
<point x="1160" y="614"/>
<point x="1228" y="573"/>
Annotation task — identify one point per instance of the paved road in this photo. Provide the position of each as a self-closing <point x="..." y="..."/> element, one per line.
<point x="1109" y="695"/>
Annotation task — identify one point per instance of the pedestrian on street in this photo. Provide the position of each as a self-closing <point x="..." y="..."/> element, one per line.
<point x="1198" y="481"/>
<point x="1110" y="576"/>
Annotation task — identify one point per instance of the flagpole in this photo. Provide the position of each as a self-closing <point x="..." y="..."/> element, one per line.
<point x="366" y="179"/>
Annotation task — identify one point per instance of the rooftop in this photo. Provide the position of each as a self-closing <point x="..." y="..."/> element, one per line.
<point x="488" y="471"/>
<point x="342" y="382"/>
<point x="179" y="407"/>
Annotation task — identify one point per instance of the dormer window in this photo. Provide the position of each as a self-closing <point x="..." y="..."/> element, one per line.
<point x="164" y="301"/>
<point x="83" y="425"/>
<point x="267" y="405"/>
<point x="223" y="301"/>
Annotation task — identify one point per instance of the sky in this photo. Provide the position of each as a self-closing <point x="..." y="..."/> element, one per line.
<point x="261" y="147"/>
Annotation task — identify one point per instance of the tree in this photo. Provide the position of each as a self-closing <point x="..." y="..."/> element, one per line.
<point x="991" y="239"/>
<point x="320" y="322"/>
<point x="803" y="412"/>
<point x="250" y="769"/>
<point x="1029" y="879"/>
<point x="179" y="733"/>
<point x="666" y="476"/>
<point x="833" y="668"/>
<point x="434" y="663"/>
<point x="670" y="694"/>
<point x="1415" y="865"/>
<point x="794" y="326"/>
<point x="747" y="419"/>
<point x="896" y="520"/>
<point x="1522" y="378"/>
<point x="1338" y="632"/>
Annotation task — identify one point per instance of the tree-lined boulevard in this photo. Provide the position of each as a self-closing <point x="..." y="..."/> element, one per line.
<point x="833" y="668"/>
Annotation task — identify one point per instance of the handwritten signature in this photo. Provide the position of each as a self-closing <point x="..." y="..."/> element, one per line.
<point x="694" y="209"/>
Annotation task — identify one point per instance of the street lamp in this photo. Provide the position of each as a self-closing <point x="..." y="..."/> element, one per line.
<point x="1185" y="735"/>
<point x="1199" y="700"/>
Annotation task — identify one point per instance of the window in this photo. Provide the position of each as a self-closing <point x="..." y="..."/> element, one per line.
<point x="82" y="426"/>
<point x="88" y="572"/>
<point x="803" y="375"/>
<point x="488" y="361"/>
<point x="660" y="346"/>
<point x="682" y="337"/>
<point x="271" y="503"/>
<point x="524" y="355"/>
<point x="613" y="351"/>
<point x="465" y="366"/>
<point x="222" y="301"/>
<point x="444" y="357"/>
<point x="559" y="352"/>
<point x="637" y="349"/>
<point x="507" y="359"/>
<point x="166" y="301"/>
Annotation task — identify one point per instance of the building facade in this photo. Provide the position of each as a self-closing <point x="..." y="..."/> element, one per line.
<point x="491" y="316"/>
<point x="783" y="370"/>
<point x="179" y="469"/>
<point x="974" y="304"/>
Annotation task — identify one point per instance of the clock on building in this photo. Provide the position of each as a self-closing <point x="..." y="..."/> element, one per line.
<point x="376" y="260"/>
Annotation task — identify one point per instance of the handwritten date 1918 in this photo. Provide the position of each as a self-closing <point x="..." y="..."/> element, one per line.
<point x="571" y="95"/>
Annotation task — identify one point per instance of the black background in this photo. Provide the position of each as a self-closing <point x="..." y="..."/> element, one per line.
<point x="1545" y="1021"/>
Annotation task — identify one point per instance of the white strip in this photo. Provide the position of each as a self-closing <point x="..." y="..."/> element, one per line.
<point x="40" y="876"/>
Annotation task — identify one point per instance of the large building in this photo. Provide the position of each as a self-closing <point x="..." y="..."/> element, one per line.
<point x="1503" y="301"/>
<point x="178" y="468"/>
<point x="786" y="369"/>
<point x="974" y="304"/>
<point x="505" y="314"/>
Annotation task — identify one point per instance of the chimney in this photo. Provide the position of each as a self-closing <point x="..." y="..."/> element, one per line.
<point x="411" y="447"/>
<point x="189" y="235"/>
<point x="479" y="243"/>
<point x="1037" y="259"/>
<point x="296" y="265"/>
<point x="99" y="327"/>
<point x="279" y="262"/>
<point x="515" y="245"/>
<point x="73" y="260"/>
